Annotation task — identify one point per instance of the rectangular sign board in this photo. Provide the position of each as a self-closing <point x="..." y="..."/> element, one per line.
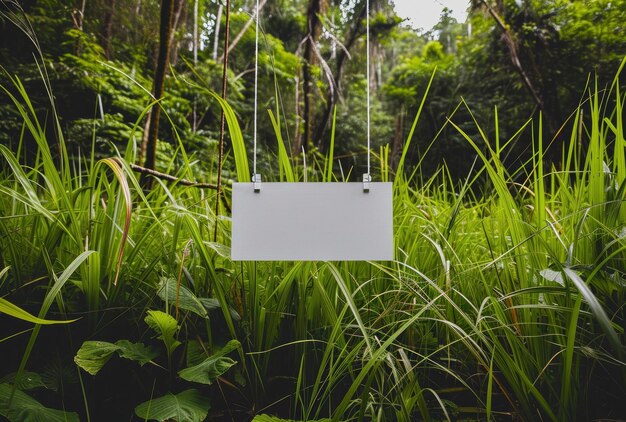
<point x="312" y="222"/>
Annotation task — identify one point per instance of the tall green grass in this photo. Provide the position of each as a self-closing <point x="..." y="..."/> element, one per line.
<point x="505" y="306"/>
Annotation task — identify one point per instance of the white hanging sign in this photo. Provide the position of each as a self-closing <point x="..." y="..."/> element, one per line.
<point x="312" y="222"/>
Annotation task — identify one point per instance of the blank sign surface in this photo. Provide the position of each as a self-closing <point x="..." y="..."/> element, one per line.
<point x="312" y="222"/>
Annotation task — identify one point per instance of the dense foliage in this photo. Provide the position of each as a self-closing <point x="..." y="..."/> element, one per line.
<point x="504" y="139"/>
<point x="527" y="57"/>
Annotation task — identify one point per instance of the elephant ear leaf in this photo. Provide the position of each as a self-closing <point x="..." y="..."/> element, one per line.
<point x="28" y="381"/>
<point x="138" y="352"/>
<point x="170" y="291"/>
<point x="207" y="371"/>
<point x="25" y="408"/>
<point x="188" y="406"/>
<point x="166" y="328"/>
<point x="268" y="418"/>
<point x="93" y="355"/>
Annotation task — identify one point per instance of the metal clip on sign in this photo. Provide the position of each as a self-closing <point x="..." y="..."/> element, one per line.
<point x="256" y="182"/>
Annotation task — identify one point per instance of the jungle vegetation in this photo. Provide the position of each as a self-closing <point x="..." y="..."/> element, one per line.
<point x="503" y="136"/>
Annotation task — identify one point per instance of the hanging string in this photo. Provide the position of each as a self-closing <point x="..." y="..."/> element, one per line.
<point x="367" y="43"/>
<point x="256" y="81"/>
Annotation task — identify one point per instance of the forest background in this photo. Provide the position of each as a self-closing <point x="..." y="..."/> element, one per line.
<point x="526" y="57"/>
<point x="503" y="136"/>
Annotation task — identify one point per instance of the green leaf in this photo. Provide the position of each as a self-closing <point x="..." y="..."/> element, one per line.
<point x="57" y="376"/>
<point x="283" y="157"/>
<point x="92" y="355"/>
<point x="186" y="299"/>
<point x="221" y="249"/>
<point x="212" y="304"/>
<point x="3" y="273"/>
<point x="166" y="327"/>
<point x="208" y="371"/>
<point x="117" y="167"/>
<point x="188" y="406"/>
<point x="138" y="352"/>
<point x="212" y="367"/>
<point x="28" y="381"/>
<point x="26" y="409"/>
<point x="229" y="347"/>
<point x="268" y="418"/>
<point x="195" y="352"/>
<point x="597" y="310"/>
<point x="236" y="139"/>
<point x="17" y="312"/>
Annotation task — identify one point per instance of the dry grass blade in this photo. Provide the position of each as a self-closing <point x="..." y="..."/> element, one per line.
<point x="114" y="164"/>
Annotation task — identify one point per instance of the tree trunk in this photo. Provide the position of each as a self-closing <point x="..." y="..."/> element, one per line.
<point x="195" y="32"/>
<point x="355" y="31"/>
<point x="167" y="12"/>
<point x="78" y="15"/>
<point x="511" y="44"/>
<point x="216" y="39"/>
<point x="194" y="124"/>
<point x="543" y="96"/>
<point x="107" y="29"/>
<point x="315" y="9"/>
<point x="297" y="135"/>
<point x="180" y="15"/>
<point x="307" y="88"/>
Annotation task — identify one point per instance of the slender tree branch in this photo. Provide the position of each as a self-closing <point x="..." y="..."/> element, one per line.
<point x="169" y="177"/>
<point x="184" y="182"/>
<point x="243" y="30"/>
<point x="512" y="46"/>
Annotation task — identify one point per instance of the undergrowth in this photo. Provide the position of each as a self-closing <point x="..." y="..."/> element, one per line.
<point x="503" y="306"/>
